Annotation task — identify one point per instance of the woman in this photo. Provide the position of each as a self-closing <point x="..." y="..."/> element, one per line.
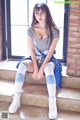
<point x="42" y="39"/>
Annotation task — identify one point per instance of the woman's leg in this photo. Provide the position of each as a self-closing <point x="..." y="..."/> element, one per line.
<point x="51" y="87"/>
<point x="19" y="81"/>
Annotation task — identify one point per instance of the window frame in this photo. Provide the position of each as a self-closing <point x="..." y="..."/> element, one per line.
<point x="7" y="32"/>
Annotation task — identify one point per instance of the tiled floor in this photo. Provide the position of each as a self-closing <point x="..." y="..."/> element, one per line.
<point x="36" y="113"/>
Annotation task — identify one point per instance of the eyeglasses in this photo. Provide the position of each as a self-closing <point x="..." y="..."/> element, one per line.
<point x="40" y="13"/>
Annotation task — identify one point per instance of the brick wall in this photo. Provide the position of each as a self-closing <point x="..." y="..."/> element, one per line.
<point x="73" y="57"/>
<point x="0" y="32"/>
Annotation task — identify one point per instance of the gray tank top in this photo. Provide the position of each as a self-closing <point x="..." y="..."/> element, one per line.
<point x="42" y="44"/>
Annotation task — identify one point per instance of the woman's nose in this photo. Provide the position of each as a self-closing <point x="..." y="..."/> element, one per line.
<point x="40" y="14"/>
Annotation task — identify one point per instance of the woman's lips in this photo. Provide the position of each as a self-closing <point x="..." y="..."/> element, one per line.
<point x="40" y="19"/>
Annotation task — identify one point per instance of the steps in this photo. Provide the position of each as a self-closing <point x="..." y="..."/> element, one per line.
<point x="34" y="93"/>
<point x="37" y="113"/>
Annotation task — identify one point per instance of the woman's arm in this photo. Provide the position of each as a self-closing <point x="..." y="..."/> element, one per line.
<point x="33" y="56"/>
<point x="32" y="51"/>
<point x="48" y="57"/>
<point x="51" y="51"/>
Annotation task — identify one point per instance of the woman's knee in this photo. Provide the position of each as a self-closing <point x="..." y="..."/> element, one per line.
<point x="22" y="67"/>
<point x="49" y="67"/>
<point x="30" y="66"/>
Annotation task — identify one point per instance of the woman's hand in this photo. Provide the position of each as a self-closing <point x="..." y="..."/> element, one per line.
<point x="40" y="74"/>
<point x="34" y="75"/>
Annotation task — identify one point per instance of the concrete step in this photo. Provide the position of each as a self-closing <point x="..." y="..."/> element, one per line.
<point x="27" y="112"/>
<point x="36" y="94"/>
<point x="8" y="71"/>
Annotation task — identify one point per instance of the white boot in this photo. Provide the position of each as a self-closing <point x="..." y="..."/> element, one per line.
<point x="52" y="109"/>
<point x="15" y="103"/>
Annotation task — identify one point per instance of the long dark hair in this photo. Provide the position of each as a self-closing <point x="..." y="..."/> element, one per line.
<point x="49" y="21"/>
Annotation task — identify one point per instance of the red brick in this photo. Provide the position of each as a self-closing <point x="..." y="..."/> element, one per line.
<point x="74" y="34"/>
<point x="72" y="50"/>
<point x="78" y="50"/>
<point x="78" y="61"/>
<point x="72" y="44"/>
<point x="78" y="41"/>
<point x="75" y="23"/>
<point x="74" y="56"/>
<point x="78" y="66"/>
<point x="75" y="12"/>
<point x="73" y="72"/>
<point x="77" y="46"/>
<point x="74" y="17"/>
<point x="79" y="17"/>
<point x="73" y="28"/>
<point x="72" y="66"/>
<point x="72" y="39"/>
<point x="71" y="60"/>
<point x="78" y="29"/>
<point x="75" y="6"/>
<point x="78" y="73"/>
<point x="70" y="72"/>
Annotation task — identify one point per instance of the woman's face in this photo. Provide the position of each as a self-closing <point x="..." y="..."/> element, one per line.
<point x="40" y="16"/>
